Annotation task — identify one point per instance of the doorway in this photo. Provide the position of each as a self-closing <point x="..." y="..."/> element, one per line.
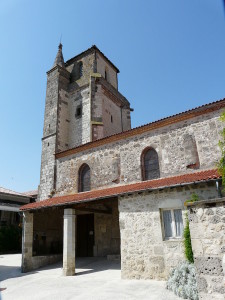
<point x="85" y="235"/>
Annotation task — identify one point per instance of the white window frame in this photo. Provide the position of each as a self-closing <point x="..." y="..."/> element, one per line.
<point x="174" y="236"/>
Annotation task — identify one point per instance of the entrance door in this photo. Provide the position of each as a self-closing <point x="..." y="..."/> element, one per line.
<point x="85" y="235"/>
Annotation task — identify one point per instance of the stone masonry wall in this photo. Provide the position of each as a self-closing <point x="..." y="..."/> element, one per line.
<point x="79" y="126"/>
<point x="145" y="253"/>
<point x="120" y="162"/>
<point x="109" y="110"/>
<point x="54" y="137"/>
<point x="47" y="168"/>
<point x="48" y="232"/>
<point x="207" y="227"/>
<point x="88" y="67"/>
<point x="103" y="65"/>
<point x="107" y="232"/>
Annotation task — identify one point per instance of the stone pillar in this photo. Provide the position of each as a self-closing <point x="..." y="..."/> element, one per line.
<point x="69" y="242"/>
<point x="27" y="242"/>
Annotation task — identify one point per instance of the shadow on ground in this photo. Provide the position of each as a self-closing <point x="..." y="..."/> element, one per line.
<point x="89" y="264"/>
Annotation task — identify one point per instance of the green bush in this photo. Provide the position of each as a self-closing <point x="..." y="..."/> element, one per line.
<point x="10" y="239"/>
<point x="182" y="281"/>
<point x="194" y="198"/>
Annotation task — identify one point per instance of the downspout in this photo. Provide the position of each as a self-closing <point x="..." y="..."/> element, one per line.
<point x="218" y="187"/>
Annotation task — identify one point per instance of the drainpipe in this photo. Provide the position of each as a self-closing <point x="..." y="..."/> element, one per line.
<point x="218" y="187"/>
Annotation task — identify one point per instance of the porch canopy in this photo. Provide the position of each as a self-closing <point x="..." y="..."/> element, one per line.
<point x="39" y="219"/>
<point x="185" y="179"/>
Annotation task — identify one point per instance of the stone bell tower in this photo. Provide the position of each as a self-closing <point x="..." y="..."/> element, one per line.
<point x="57" y="83"/>
<point x="82" y="104"/>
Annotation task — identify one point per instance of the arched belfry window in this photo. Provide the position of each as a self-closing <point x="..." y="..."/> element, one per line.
<point x="150" y="164"/>
<point x="84" y="179"/>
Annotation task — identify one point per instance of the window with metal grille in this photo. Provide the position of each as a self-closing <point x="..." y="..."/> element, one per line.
<point x="84" y="178"/>
<point x="172" y="223"/>
<point x="150" y="164"/>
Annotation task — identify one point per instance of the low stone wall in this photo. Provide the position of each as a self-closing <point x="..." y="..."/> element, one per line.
<point x="207" y="227"/>
<point x="41" y="261"/>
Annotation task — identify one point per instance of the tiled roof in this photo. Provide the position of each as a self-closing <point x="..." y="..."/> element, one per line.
<point x="198" y="111"/>
<point x="31" y="193"/>
<point x="10" y="192"/>
<point x="200" y="176"/>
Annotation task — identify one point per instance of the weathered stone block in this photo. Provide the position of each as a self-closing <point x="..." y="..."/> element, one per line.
<point x="209" y="265"/>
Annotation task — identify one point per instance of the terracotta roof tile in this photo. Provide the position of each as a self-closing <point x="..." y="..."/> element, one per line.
<point x="200" y="176"/>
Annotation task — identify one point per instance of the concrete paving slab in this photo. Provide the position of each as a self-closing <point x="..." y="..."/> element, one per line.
<point x="96" y="279"/>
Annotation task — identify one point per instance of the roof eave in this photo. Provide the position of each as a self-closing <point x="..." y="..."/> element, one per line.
<point x="122" y="194"/>
<point x="93" y="48"/>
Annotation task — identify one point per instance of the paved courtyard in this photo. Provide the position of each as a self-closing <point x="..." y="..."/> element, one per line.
<point x="96" y="279"/>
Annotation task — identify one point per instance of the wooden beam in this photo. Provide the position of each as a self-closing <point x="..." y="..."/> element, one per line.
<point x="94" y="210"/>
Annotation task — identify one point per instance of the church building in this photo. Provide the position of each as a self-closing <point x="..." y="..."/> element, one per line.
<point x="107" y="190"/>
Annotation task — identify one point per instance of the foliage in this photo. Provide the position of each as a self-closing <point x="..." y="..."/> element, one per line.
<point x="187" y="235"/>
<point x="10" y="239"/>
<point x="187" y="242"/>
<point x="221" y="163"/>
<point x="194" y="198"/>
<point x="182" y="281"/>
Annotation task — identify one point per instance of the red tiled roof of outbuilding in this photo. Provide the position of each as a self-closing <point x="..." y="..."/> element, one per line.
<point x="200" y="176"/>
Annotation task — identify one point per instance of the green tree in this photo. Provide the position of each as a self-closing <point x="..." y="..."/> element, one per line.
<point x="187" y="242"/>
<point x="187" y="235"/>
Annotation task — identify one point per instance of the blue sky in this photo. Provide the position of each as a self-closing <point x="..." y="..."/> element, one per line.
<point x="171" y="55"/>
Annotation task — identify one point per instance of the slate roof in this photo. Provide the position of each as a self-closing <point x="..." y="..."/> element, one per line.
<point x="200" y="176"/>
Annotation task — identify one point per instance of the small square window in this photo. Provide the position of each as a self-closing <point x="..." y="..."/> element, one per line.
<point x="78" y="112"/>
<point x="172" y="223"/>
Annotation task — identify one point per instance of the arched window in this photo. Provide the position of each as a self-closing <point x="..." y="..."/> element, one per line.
<point x="191" y="152"/>
<point x="150" y="164"/>
<point x="84" y="179"/>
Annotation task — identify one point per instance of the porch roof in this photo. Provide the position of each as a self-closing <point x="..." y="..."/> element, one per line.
<point x="194" y="177"/>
